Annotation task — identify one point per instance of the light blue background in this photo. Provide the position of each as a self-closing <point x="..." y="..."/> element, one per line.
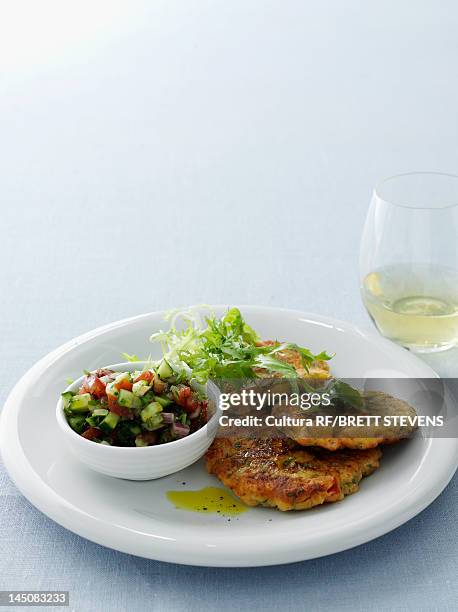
<point x="161" y="153"/>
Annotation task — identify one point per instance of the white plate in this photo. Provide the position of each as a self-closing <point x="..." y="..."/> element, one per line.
<point x="136" y="517"/>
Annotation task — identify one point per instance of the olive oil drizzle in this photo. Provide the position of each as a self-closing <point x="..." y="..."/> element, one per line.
<point x="206" y="501"/>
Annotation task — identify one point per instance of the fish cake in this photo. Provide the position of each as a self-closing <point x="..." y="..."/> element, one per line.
<point x="317" y="371"/>
<point x="376" y="403"/>
<point x="276" y="473"/>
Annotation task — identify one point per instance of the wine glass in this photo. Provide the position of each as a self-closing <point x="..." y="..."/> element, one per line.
<point x="409" y="260"/>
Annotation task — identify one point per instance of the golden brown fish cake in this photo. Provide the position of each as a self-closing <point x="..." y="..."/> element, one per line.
<point x="274" y="472"/>
<point x="318" y="370"/>
<point x="334" y="444"/>
<point x="376" y="403"/>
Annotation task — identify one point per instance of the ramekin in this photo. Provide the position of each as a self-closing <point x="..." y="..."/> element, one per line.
<point x="140" y="463"/>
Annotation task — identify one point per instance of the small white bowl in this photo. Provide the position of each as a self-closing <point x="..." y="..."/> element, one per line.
<point x="146" y="462"/>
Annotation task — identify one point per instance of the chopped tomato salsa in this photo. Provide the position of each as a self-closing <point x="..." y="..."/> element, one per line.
<point x="141" y="408"/>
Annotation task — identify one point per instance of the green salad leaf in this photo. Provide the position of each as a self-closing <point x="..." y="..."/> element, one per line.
<point x="131" y="358"/>
<point x="346" y="394"/>
<point x="224" y="348"/>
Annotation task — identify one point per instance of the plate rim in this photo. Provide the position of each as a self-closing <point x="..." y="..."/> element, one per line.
<point x="45" y="498"/>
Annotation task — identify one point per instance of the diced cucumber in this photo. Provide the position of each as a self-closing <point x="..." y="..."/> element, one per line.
<point x="154" y="422"/>
<point x="77" y="423"/>
<point x="109" y="422"/>
<point x="151" y="416"/>
<point x="94" y="421"/>
<point x="164" y="370"/>
<point x="126" y="398"/>
<point x="152" y="409"/>
<point x="100" y="412"/>
<point x="66" y="398"/>
<point x="80" y="400"/>
<point x="80" y="403"/>
<point x="79" y="409"/>
<point x="140" y="388"/>
<point x="163" y="401"/>
<point x="96" y="417"/>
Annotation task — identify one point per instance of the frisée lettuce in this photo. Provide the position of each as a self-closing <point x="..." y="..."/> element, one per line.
<point x="224" y="348"/>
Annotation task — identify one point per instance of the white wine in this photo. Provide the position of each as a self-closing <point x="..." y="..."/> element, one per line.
<point x="415" y="305"/>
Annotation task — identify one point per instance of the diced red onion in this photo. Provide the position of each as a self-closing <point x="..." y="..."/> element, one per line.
<point x="168" y="418"/>
<point x="104" y="372"/>
<point x="180" y="430"/>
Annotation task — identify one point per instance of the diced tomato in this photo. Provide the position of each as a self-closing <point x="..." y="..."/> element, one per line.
<point x="118" y="409"/>
<point x="183" y="394"/>
<point x="91" y="433"/>
<point x="195" y="413"/>
<point x="147" y="375"/>
<point x="85" y="388"/>
<point x="93" y="385"/>
<point x="122" y="411"/>
<point x="123" y="384"/>
<point x="112" y="401"/>
<point x="191" y="405"/>
<point x="186" y="400"/>
<point x="98" y="387"/>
